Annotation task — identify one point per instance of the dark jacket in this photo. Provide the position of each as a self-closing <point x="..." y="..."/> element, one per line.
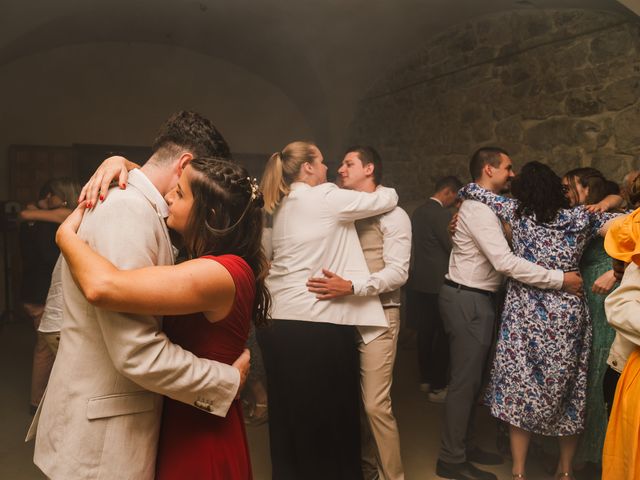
<point x="431" y="246"/>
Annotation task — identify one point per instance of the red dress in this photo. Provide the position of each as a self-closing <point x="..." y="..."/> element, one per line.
<point x="193" y="444"/>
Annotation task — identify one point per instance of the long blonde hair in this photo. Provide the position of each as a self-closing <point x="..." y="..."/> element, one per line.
<point x="282" y="169"/>
<point x="67" y="189"/>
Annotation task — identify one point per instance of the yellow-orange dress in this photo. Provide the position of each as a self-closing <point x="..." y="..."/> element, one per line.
<point x="621" y="456"/>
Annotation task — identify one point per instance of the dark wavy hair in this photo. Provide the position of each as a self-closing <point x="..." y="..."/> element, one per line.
<point x="539" y="192"/>
<point x="226" y="218"/>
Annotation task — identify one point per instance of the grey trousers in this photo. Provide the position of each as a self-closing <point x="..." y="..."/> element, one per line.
<point x="469" y="320"/>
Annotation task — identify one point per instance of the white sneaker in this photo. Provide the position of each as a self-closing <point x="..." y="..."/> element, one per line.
<point x="425" y="387"/>
<point x="437" y="396"/>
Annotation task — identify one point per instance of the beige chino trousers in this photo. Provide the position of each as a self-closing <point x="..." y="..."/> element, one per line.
<point x="380" y="437"/>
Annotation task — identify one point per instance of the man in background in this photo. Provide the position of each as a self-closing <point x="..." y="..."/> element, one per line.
<point x="431" y="246"/>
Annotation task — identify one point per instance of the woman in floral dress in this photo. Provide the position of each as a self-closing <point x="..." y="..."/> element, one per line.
<point x="539" y="375"/>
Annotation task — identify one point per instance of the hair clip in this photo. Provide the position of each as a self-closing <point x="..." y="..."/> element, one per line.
<point x="255" y="188"/>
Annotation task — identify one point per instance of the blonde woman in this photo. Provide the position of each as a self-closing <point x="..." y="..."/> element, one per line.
<point x="309" y="351"/>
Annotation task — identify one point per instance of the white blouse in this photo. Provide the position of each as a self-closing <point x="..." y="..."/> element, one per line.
<point x="313" y="229"/>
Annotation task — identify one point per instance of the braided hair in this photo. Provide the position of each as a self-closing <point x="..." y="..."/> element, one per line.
<point x="226" y="218"/>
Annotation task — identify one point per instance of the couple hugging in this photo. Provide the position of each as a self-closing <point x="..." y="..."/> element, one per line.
<point x="101" y="414"/>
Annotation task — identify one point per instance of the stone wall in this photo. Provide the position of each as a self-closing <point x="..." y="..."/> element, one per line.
<point x="559" y="86"/>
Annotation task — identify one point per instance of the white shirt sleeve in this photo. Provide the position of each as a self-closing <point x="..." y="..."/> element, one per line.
<point x="349" y="205"/>
<point x="396" y="254"/>
<point x="489" y="237"/>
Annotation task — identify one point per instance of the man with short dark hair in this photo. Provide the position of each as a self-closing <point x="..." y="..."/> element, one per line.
<point x="100" y="416"/>
<point x="386" y="244"/>
<point x="431" y="246"/>
<point x="479" y="259"/>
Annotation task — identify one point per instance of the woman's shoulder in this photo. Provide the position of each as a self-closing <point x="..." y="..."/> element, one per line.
<point x="235" y="265"/>
<point x="575" y="218"/>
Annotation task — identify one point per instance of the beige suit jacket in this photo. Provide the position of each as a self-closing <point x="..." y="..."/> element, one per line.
<point x="622" y="308"/>
<point x="99" y="418"/>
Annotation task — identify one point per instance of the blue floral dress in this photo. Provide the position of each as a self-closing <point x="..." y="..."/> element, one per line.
<point x="539" y="375"/>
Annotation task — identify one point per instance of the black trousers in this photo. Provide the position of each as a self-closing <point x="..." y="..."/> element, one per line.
<point x="433" y="346"/>
<point x="609" y="384"/>
<point x="313" y="385"/>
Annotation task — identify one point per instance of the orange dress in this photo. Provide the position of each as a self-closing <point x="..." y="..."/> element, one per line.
<point x="621" y="456"/>
<point x="196" y="445"/>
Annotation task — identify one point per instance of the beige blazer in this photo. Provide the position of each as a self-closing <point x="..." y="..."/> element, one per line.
<point x="99" y="418"/>
<point x="622" y="308"/>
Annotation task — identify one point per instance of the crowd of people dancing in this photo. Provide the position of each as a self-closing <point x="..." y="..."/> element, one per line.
<point x="165" y="277"/>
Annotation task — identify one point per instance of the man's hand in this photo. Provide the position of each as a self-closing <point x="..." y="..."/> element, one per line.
<point x="112" y="168"/>
<point x="618" y="268"/>
<point x="604" y="283"/>
<point x="453" y="224"/>
<point x="573" y="283"/>
<point x="332" y="286"/>
<point x="243" y="363"/>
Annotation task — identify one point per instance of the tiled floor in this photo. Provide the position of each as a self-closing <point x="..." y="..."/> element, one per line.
<point x="419" y="420"/>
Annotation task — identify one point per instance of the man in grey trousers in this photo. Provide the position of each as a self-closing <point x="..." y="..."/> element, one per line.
<point x="479" y="260"/>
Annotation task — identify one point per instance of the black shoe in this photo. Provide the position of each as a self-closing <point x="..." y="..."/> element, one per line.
<point x="462" y="471"/>
<point x="483" y="458"/>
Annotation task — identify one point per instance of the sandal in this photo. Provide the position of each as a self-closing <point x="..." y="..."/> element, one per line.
<point x="518" y="476"/>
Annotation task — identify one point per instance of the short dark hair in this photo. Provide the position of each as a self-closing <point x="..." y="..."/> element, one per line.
<point x="450" y="182"/>
<point x="367" y="155"/>
<point x="191" y="131"/>
<point x="482" y="157"/>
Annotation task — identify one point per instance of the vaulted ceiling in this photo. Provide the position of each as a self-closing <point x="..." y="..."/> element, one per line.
<point x="321" y="53"/>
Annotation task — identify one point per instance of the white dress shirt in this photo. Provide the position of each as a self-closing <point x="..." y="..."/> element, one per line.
<point x="481" y="255"/>
<point x="622" y="307"/>
<point x="396" y="254"/>
<point x="313" y="229"/>
<point x="52" y="316"/>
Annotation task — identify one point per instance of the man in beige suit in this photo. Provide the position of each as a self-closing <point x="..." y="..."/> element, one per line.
<point x="100" y="416"/>
<point x="386" y="243"/>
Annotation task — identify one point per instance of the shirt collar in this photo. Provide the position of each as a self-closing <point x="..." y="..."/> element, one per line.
<point x="436" y="200"/>
<point x="138" y="179"/>
<point x="299" y="186"/>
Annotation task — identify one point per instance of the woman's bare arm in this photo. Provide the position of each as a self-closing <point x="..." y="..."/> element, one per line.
<point x="112" y="168"/>
<point x="56" y="215"/>
<point x="199" y="285"/>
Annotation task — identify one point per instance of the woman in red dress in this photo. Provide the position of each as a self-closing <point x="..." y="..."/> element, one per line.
<point x="209" y="302"/>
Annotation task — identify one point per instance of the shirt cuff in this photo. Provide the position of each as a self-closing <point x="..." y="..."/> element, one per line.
<point x="359" y="288"/>
<point x="557" y="279"/>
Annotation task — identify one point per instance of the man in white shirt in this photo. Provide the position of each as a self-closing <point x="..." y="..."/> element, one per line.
<point x="479" y="260"/>
<point x="386" y="244"/>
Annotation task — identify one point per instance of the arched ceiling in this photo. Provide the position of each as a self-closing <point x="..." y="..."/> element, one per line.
<point x="322" y="54"/>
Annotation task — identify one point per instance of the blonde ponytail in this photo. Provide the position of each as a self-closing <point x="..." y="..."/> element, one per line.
<point x="273" y="185"/>
<point x="282" y="170"/>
